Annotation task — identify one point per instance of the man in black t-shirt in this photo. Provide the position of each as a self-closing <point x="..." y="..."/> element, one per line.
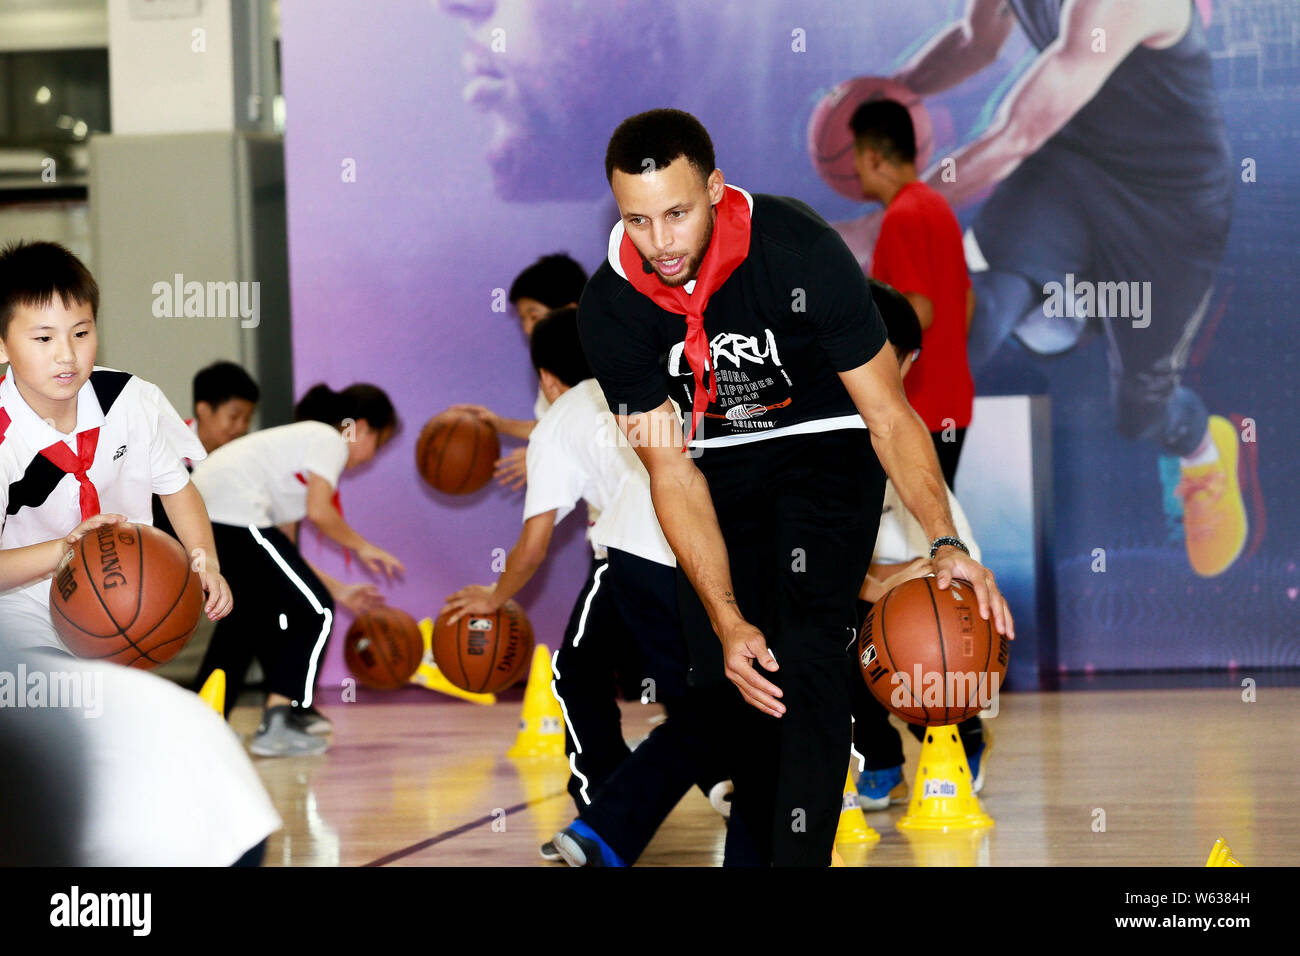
<point x="751" y="315"/>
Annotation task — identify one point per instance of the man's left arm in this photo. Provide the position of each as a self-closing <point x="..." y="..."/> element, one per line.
<point x="906" y="451"/>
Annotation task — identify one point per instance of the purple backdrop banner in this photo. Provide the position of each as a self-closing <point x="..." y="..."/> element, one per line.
<point x="436" y="148"/>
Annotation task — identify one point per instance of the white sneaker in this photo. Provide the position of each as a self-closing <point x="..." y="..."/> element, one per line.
<point x="720" y="798"/>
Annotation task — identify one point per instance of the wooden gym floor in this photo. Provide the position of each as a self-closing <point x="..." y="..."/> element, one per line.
<point x="418" y="779"/>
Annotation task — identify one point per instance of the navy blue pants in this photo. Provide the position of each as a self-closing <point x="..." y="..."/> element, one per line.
<point x="623" y="633"/>
<point x="798" y="515"/>
<point x="282" y="615"/>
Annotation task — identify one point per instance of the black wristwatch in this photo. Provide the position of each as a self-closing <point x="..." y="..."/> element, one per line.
<point x="948" y="541"/>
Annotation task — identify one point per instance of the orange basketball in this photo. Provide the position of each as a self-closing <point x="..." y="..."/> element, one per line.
<point x="456" y="452"/>
<point x="484" y="653"/>
<point x="928" y="656"/>
<point x="125" y="593"/>
<point x="830" y="141"/>
<point x="383" y="648"/>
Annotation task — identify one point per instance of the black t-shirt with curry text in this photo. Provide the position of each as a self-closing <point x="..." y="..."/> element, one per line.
<point x="797" y="311"/>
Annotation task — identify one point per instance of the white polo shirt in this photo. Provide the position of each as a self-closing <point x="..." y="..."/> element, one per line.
<point x="261" y="478"/>
<point x="140" y="452"/>
<point x="577" y="452"/>
<point x="901" y="537"/>
<point x="540" y="406"/>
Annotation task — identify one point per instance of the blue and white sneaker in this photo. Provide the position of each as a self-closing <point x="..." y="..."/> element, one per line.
<point x="978" y="761"/>
<point x="877" y="789"/>
<point x="580" y="846"/>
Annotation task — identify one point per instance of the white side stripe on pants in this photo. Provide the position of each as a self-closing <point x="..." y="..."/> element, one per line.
<point x="328" y="617"/>
<point x="582" y="627"/>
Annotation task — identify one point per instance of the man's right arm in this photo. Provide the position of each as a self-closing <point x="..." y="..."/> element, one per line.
<point x="966" y="47"/>
<point x="685" y="510"/>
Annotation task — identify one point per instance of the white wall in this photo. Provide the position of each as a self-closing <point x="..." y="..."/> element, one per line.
<point x="172" y="75"/>
<point x="53" y="24"/>
<point x="65" y="222"/>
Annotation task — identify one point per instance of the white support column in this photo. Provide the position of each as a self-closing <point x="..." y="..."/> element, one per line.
<point x="187" y="66"/>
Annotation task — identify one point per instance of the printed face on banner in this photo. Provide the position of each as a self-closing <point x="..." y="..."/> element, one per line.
<point x="541" y="72"/>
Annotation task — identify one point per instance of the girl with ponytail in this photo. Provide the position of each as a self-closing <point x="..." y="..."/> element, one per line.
<point x="258" y="488"/>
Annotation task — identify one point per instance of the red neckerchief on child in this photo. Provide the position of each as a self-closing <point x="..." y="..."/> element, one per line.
<point x="727" y="249"/>
<point x="61" y="455"/>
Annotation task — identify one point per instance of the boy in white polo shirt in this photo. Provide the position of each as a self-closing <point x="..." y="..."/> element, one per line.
<point x="900" y="554"/>
<point x="80" y="446"/>
<point x="577" y="452"/>
<point x="258" y="488"/>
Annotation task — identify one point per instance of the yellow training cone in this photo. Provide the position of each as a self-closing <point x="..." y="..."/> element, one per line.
<point x="1221" y="855"/>
<point x="428" y="675"/>
<point x="836" y="859"/>
<point x="853" y="826"/>
<point x="213" y="692"/>
<point x="956" y="847"/>
<point x="541" y="725"/>
<point x="942" y="798"/>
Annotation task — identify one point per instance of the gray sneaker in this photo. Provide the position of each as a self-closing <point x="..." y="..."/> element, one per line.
<point x="310" y="721"/>
<point x="278" y="737"/>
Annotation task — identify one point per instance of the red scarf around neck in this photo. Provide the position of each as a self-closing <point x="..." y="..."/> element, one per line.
<point x="77" y="465"/>
<point x="727" y="249"/>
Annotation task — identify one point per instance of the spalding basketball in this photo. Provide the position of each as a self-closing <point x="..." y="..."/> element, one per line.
<point x="830" y="141"/>
<point x="383" y="648"/>
<point x="125" y="593"/>
<point x="487" y="653"/>
<point x="928" y="656"/>
<point x="456" y="452"/>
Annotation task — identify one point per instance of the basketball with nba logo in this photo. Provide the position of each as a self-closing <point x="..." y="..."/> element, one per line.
<point x="484" y="653"/>
<point x="928" y="656"/>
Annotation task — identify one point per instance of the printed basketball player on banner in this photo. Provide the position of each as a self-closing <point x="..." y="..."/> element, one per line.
<point x="1112" y="102"/>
